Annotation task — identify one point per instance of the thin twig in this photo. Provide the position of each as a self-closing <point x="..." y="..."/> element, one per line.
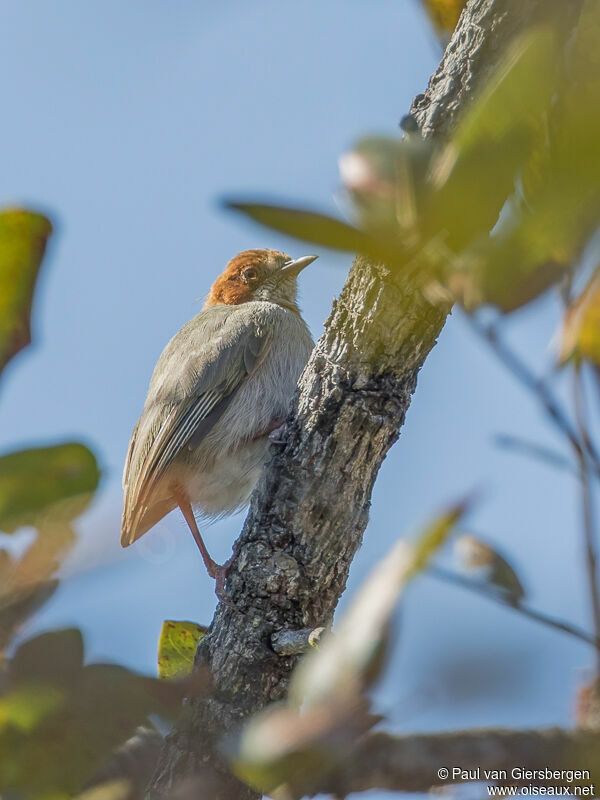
<point x="528" y="378"/>
<point x="509" y="602"/>
<point x="587" y="506"/>
<point x="540" y="452"/>
<point x="296" y="642"/>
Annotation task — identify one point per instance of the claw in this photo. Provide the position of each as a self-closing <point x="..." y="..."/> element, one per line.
<point x="221" y="571"/>
<point x="279" y="435"/>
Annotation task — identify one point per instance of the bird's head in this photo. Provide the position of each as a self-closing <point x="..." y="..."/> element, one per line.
<point x="259" y="275"/>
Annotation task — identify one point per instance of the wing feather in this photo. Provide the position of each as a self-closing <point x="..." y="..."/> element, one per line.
<point x="190" y="390"/>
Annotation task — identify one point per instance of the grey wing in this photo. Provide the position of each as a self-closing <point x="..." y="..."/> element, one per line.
<point x="184" y="408"/>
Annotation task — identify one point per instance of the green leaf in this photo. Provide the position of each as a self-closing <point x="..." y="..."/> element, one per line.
<point x="54" y="658"/>
<point x="386" y="180"/>
<point x="119" y="789"/>
<point x="26" y="583"/>
<point x="509" y="271"/>
<point x="101" y="706"/>
<point x="313" y="227"/>
<point x="177" y="647"/>
<point x="46" y="488"/>
<point x="551" y="222"/>
<point x="514" y="97"/>
<point x="17" y="605"/>
<point x="475" y="173"/>
<point x="23" y="237"/>
<point x="46" y="483"/>
<point x="435" y="535"/>
<point x="444" y="15"/>
<point x="24" y="708"/>
<point x="580" y="336"/>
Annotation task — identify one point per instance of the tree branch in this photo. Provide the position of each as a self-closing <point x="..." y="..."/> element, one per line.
<point x="411" y="763"/>
<point x="307" y="518"/>
<point x="293" y="643"/>
<point x="504" y="599"/>
<point x="587" y="506"/>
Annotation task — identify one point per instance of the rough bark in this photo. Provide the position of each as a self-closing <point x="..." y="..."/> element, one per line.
<point x="307" y="518"/>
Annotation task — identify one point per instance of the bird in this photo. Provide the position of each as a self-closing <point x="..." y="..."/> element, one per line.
<point x="221" y="388"/>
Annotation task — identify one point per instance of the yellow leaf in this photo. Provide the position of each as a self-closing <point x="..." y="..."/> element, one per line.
<point x="580" y="337"/>
<point x="444" y="14"/>
<point x="177" y="647"/>
<point x="23" y="237"/>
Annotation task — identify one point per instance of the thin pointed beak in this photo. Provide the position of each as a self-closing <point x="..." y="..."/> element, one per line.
<point x="296" y="265"/>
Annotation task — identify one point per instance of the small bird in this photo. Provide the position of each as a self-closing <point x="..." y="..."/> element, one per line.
<point x="221" y="387"/>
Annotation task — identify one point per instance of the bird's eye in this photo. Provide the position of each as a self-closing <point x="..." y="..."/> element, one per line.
<point x="249" y="275"/>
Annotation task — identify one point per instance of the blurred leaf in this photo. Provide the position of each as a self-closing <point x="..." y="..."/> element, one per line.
<point x="514" y="97"/>
<point x="102" y="706"/>
<point x="26" y="584"/>
<point x="23" y="237"/>
<point x="386" y="181"/>
<point x="285" y="749"/>
<point x="54" y="658"/>
<point x="111" y="790"/>
<point x="41" y="559"/>
<point x="24" y="708"/>
<point x="444" y="200"/>
<point x="284" y="752"/>
<point x="47" y="482"/>
<point x="47" y="488"/>
<point x="583" y="60"/>
<point x="444" y="15"/>
<point x="580" y="337"/>
<point x="340" y="664"/>
<point x="133" y="763"/>
<point x="479" y="560"/>
<point x="314" y="227"/>
<point x="16" y="606"/>
<point x="551" y="223"/>
<point x="177" y="647"/>
<point x="474" y="174"/>
<point x="433" y="537"/>
<point x="501" y="210"/>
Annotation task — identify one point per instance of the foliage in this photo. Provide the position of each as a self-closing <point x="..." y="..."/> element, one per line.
<point x="23" y="237"/>
<point x="498" y="213"/>
<point x="45" y="484"/>
<point x="177" y="647"/>
<point x="63" y="718"/>
<point x="494" y="216"/>
<point x="444" y="15"/>
<point x="59" y="718"/>
<point x="580" y="337"/>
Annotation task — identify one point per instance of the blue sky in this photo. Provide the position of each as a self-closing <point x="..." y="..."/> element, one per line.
<point x="128" y="122"/>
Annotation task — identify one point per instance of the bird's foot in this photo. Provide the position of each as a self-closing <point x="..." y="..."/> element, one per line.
<point x="217" y="571"/>
<point x="279" y="434"/>
<point x="220" y="572"/>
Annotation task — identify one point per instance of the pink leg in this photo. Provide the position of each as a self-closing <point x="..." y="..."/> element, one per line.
<point x="217" y="571"/>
